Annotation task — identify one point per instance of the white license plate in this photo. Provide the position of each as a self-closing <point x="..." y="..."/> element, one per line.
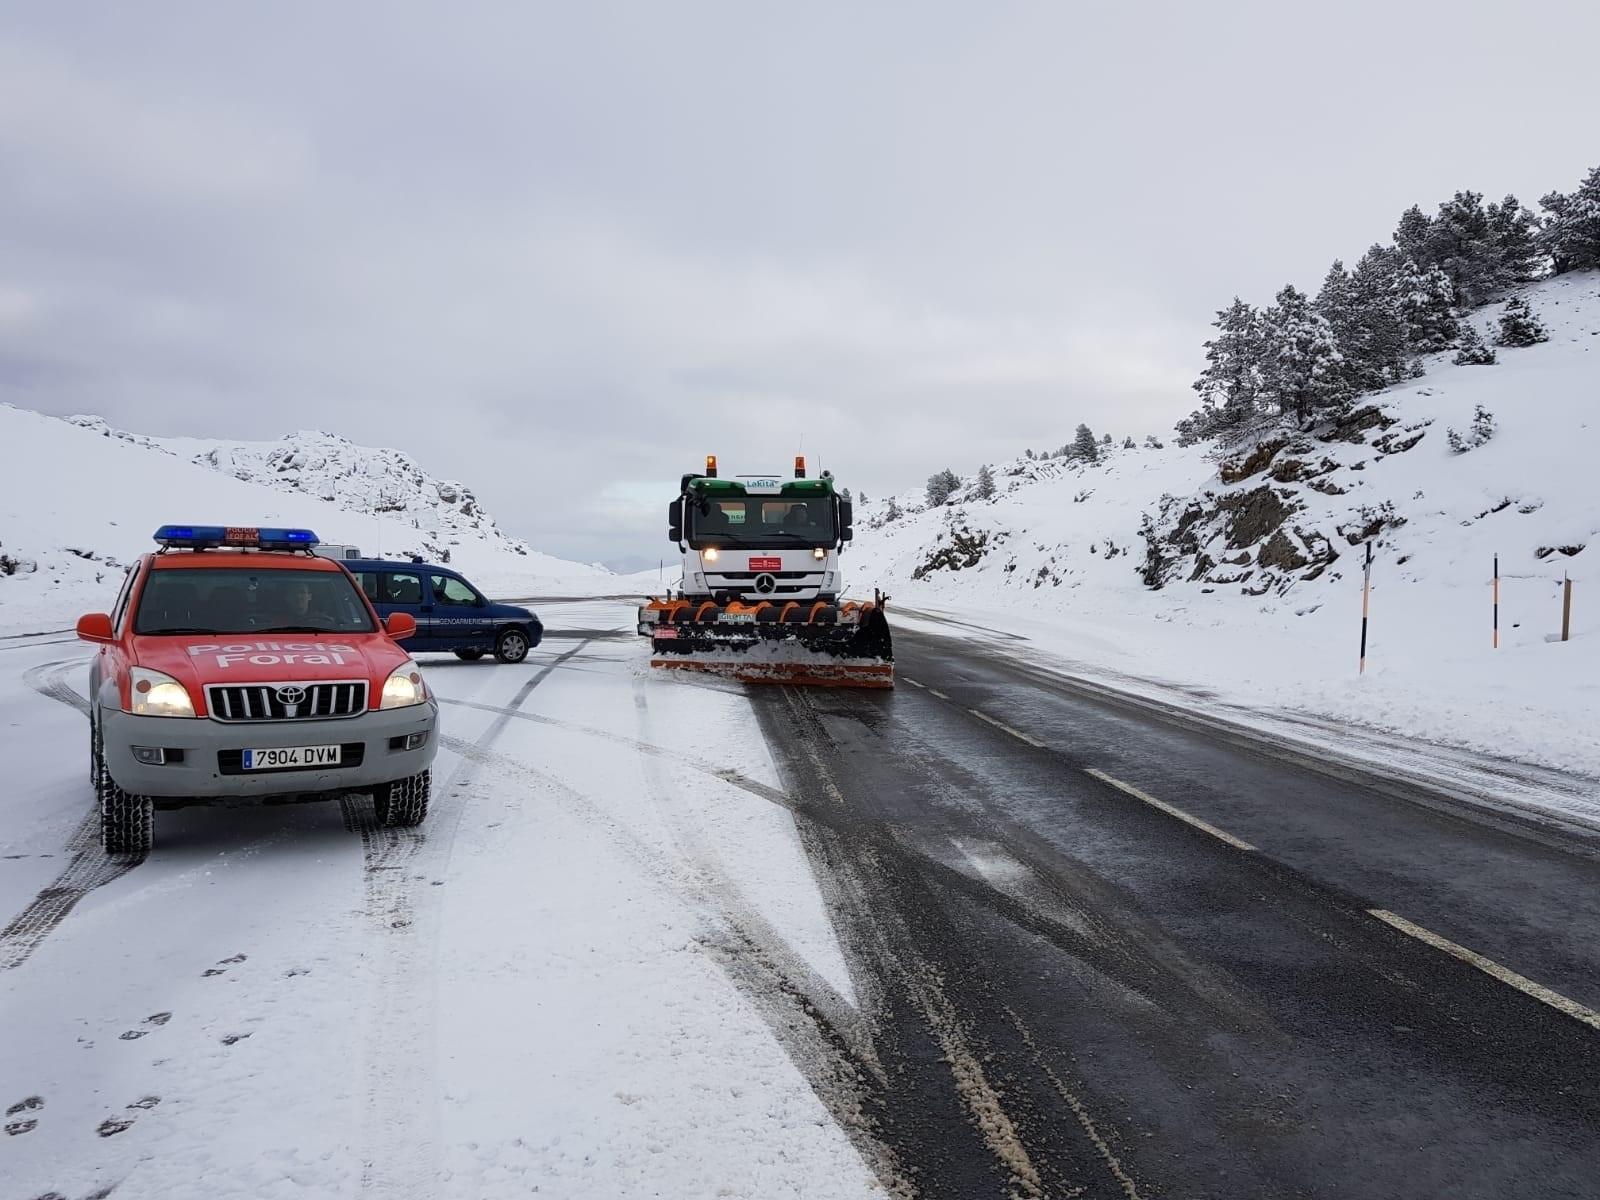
<point x="291" y="756"/>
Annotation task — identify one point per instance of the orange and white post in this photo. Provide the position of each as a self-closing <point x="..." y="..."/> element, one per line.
<point x="1366" y="607"/>
<point x="1497" y="602"/>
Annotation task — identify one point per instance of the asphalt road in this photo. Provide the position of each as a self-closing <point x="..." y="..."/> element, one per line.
<point x="1103" y="954"/>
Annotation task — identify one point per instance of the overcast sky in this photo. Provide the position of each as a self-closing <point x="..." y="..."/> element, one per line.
<point x="561" y="251"/>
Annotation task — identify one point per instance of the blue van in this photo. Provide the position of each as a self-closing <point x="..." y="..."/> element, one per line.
<point x="452" y="616"/>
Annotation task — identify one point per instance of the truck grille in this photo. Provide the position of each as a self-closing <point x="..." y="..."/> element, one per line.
<point x="286" y="701"/>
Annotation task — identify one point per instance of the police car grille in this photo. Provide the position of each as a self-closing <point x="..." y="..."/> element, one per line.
<point x="261" y="702"/>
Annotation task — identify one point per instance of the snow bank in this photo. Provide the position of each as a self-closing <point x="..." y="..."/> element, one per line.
<point x="1061" y="552"/>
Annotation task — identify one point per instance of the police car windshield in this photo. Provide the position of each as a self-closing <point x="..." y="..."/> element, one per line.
<point x="203" y="600"/>
<point x="763" y="522"/>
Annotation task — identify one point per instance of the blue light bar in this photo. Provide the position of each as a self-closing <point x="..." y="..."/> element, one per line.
<point x="206" y="537"/>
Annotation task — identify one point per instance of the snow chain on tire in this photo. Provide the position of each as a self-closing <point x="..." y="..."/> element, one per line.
<point x="404" y="803"/>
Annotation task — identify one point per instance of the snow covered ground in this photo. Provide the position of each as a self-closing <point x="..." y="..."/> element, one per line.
<point x="1058" y="558"/>
<point x="81" y="504"/>
<point x="534" y="997"/>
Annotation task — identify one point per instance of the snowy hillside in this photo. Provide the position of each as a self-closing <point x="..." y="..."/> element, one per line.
<point x="383" y="483"/>
<point x="1119" y="564"/>
<point x="83" y="500"/>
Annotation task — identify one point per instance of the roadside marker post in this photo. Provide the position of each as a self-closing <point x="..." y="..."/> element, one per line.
<point x="1566" y="608"/>
<point x="1366" y="605"/>
<point x="1497" y="602"/>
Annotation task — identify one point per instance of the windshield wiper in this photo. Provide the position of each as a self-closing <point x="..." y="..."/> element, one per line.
<point x="175" y="629"/>
<point x="298" y="629"/>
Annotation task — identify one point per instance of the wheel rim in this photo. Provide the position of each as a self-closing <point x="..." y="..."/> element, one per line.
<point x="516" y="646"/>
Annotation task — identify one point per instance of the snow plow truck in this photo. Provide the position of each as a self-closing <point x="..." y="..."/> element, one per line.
<point x="761" y="598"/>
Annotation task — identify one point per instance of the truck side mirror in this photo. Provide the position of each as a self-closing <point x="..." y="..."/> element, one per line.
<point x="675" y="520"/>
<point x="846" y="518"/>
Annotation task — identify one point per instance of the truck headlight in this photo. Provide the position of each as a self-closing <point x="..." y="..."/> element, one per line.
<point x="710" y="553"/>
<point x="404" y="687"/>
<point x="153" y="694"/>
<point x="818" y="553"/>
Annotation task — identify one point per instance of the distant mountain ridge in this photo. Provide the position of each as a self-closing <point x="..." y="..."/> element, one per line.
<point x="380" y="482"/>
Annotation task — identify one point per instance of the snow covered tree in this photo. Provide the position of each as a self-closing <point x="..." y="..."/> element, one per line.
<point x="985" y="486"/>
<point x="1304" y="368"/>
<point x="1412" y="234"/>
<point x="846" y="495"/>
<point x="1105" y="439"/>
<point x="1461" y="244"/>
<point x="1129" y="444"/>
<point x="1376" y="336"/>
<point x="1029" y="454"/>
<point x="1084" y="446"/>
<point x="1152" y="442"/>
<point x="1230" y="386"/>
<point x="1519" y="326"/>
<point x="864" y="498"/>
<point x="1483" y="428"/>
<point x="892" y="513"/>
<point x="1571" y="233"/>
<point x="1514" y="235"/>
<point x="1474" y="351"/>
<point x="1425" y="300"/>
<point x="941" y="485"/>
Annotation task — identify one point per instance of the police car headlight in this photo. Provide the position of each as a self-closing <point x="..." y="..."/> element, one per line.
<point x="156" y="695"/>
<point x="404" y="687"/>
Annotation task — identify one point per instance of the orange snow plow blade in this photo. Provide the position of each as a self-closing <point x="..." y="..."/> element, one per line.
<point x="813" y="643"/>
<point x="832" y="674"/>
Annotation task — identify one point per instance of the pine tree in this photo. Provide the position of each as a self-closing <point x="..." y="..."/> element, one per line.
<point x="1519" y="326"/>
<point x="1129" y="444"/>
<point x="1461" y="244"/>
<point x="1412" y="234"/>
<point x="941" y="485"/>
<point x="985" y="486"/>
<point x="1571" y="234"/>
<point x="864" y="499"/>
<point x="1230" y="386"/>
<point x="846" y="496"/>
<point x="1376" y="338"/>
<point x="892" y="513"/>
<point x="1084" y="445"/>
<point x="1474" y="351"/>
<point x="1105" y="439"/>
<point x="1514" y="234"/>
<point x="1304" y="369"/>
<point x="1425" y="301"/>
<point x="1030" y="454"/>
<point x="1152" y="442"/>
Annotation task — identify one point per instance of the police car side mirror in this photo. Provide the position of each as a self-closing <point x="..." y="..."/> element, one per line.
<point x="846" y="518"/>
<point x="95" y="627"/>
<point x="675" y="521"/>
<point x="400" y="626"/>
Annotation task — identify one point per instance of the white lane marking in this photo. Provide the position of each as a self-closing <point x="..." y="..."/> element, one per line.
<point x="1204" y="826"/>
<point x="933" y="691"/>
<point x="913" y="682"/>
<point x="1489" y="967"/>
<point x="1001" y="725"/>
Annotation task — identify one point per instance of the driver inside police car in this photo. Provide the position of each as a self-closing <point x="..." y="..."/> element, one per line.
<point x="298" y="606"/>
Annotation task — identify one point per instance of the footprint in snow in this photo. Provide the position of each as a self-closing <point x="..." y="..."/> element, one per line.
<point x="132" y="1034"/>
<point x="31" y="1104"/>
<point x="13" y="1128"/>
<point x="213" y="971"/>
<point x="146" y="1102"/>
<point x="234" y="1037"/>
<point x="158" y="1018"/>
<point x="237" y="958"/>
<point x="114" y="1125"/>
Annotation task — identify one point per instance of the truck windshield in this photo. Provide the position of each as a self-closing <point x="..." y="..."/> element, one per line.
<point x="236" y="600"/>
<point x="763" y="522"/>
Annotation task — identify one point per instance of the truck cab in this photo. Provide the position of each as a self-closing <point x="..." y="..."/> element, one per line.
<point x="760" y="537"/>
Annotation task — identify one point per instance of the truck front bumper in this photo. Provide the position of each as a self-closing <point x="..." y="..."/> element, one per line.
<point x="201" y="758"/>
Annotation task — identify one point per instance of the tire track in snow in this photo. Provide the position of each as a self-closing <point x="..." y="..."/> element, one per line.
<point x="400" y="1123"/>
<point x="88" y="868"/>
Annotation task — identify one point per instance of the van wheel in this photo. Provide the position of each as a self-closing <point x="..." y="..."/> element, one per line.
<point x="404" y="802"/>
<point x="469" y="655"/>
<point x="127" y="822"/>
<point x="511" y="646"/>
